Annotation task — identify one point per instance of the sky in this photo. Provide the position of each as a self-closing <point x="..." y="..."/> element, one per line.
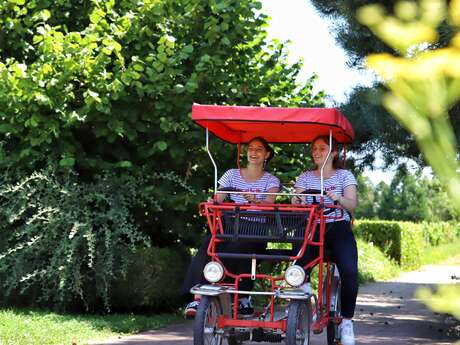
<point x="309" y="33"/>
<point x="298" y="22"/>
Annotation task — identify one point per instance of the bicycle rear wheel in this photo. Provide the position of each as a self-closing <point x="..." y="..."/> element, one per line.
<point x="333" y="332"/>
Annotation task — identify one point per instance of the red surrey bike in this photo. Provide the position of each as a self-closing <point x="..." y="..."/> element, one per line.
<point x="289" y="312"/>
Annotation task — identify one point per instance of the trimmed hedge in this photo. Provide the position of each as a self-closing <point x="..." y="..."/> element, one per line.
<point x="404" y="241"/>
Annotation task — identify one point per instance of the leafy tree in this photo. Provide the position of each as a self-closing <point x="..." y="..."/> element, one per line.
<point x="375" y="128"/>
<point x="105" y="85"/>
<point x="405" y="198"/>
<point x="105" y="88"/>
<point x="367" y="199"/>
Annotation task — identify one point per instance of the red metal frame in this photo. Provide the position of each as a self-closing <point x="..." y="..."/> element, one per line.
<point x="239" y="124"/>
<point x="212" y="212"/>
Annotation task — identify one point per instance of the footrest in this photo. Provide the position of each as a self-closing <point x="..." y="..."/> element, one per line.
<point x="316" y="328"/>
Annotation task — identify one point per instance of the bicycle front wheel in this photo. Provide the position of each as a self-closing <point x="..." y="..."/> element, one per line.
<point x="298" y="323"/>
<point x="205" y="331"/>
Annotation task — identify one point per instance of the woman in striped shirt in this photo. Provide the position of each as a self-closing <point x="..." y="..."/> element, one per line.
<point x="339" y="186"/>
<point x="252" y="179"/>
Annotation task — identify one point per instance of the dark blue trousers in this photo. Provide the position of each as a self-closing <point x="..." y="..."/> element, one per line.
<point x="340" y="243"/>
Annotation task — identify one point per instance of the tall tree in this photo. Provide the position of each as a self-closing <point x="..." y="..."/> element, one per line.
<point x="376" y="129"/>
<point x="104" y="90"/>
<point x="105" y="85"/>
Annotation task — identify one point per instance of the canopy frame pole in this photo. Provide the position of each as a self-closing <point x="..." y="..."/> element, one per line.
<point x="239" y="156"/>
<point x="324" y="163"/>
<point x="212" y="160"/>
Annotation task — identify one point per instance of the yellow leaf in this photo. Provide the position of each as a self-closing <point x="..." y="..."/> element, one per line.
<point x="454" y="12"/>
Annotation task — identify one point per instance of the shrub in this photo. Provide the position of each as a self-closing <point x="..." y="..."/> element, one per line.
<point x="373" y="265"/>
<point x="404" y="241"/>
<point x="65" y="242"/>
<point x="152" y="281"/>
<point x="385" y="235"/>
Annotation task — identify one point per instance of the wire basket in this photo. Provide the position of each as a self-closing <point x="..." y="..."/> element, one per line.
<point x="273" y="226"/>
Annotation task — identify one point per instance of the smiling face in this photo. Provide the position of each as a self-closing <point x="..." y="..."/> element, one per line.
<point x="319" y="151"/>
<point x="257" y="153"/>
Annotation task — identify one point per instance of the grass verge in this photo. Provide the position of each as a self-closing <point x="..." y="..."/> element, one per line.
<point x="446" y="253"/>
<point x="27" y="327"/>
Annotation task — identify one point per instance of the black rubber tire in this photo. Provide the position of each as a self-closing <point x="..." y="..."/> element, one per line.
<point x="231" y="340"/>
<point x="331" y="329"/>
<point x="208" y="312"/>
<point x="299" y="318"/>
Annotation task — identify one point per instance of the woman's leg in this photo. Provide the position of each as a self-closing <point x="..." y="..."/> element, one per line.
<point x="340" y="239"/>
<point x="194" y="273"/>
<point x="238" y="266"/>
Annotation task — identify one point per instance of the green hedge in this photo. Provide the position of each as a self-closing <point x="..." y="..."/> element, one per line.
<point x="404" y="242"/>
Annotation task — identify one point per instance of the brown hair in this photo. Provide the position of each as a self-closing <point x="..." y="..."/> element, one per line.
<point x="336" y="162"/>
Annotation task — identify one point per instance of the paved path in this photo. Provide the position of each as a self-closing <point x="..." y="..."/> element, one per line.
<point x="386" y="313"/>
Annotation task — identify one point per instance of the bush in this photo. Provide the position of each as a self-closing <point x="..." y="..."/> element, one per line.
<point x="404" y="242"/>
<point x="385" y="235"/>
<point x="437" y="233"/>
<point x="65" y="242"/>
<point x="152" y="281"/>
<point x="373" y="265"/>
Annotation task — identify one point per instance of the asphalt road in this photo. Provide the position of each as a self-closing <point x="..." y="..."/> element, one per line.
<point x="386" y="313"/>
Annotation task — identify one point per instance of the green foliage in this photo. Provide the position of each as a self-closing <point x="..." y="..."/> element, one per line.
<point x="409" y="197"/>
<point x="376" y="130"/>
<point x="385" y="235"/>
<point x="373" y="264"/>
<point x="445" y="300"/>
<point x="70" y="239"/>
<point x="104" y="85"/>
<point x="405" y="199"/>
<point x="367" y="199"/>
<point x="40" y="327"/>
<point x="405" y="242"/>
<point x="152" y="281"/>
<point x="105" y="88"/>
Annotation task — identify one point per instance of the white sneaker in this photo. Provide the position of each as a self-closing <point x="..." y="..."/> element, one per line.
<point x="347" y="335"/>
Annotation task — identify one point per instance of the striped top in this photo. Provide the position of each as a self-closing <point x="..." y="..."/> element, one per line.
<point x="336" y="183"/>
<point x="233" y="179"/>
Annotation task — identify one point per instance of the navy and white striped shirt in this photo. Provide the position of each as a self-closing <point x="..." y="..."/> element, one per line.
<point x="336" y="183"/>
<point x="233" y="179"/>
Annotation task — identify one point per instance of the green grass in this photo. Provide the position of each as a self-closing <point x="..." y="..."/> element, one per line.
<point x="29" y="327"/>
<point x="373" y="265"/>
<point x="25" y="327"/>
<point x="445" y="253"/>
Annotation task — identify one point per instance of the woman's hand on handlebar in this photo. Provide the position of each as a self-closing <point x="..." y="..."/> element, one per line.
<point x="250" y="197"/>
<point x="331" y="195"/>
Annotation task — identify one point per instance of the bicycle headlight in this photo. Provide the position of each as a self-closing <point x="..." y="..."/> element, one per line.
<point x="213" y="272"/>
<point x="294" y="275"/>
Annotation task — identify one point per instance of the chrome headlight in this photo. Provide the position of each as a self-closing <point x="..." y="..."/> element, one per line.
<point x="213" y="272"/>
<point x="294" y="275"/>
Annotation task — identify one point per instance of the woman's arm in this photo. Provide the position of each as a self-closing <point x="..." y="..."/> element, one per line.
<point x="270" y="199"/>
<point x="349" y="200"/>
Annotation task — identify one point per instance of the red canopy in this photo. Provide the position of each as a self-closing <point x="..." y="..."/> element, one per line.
<point x="237" y="124"/>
